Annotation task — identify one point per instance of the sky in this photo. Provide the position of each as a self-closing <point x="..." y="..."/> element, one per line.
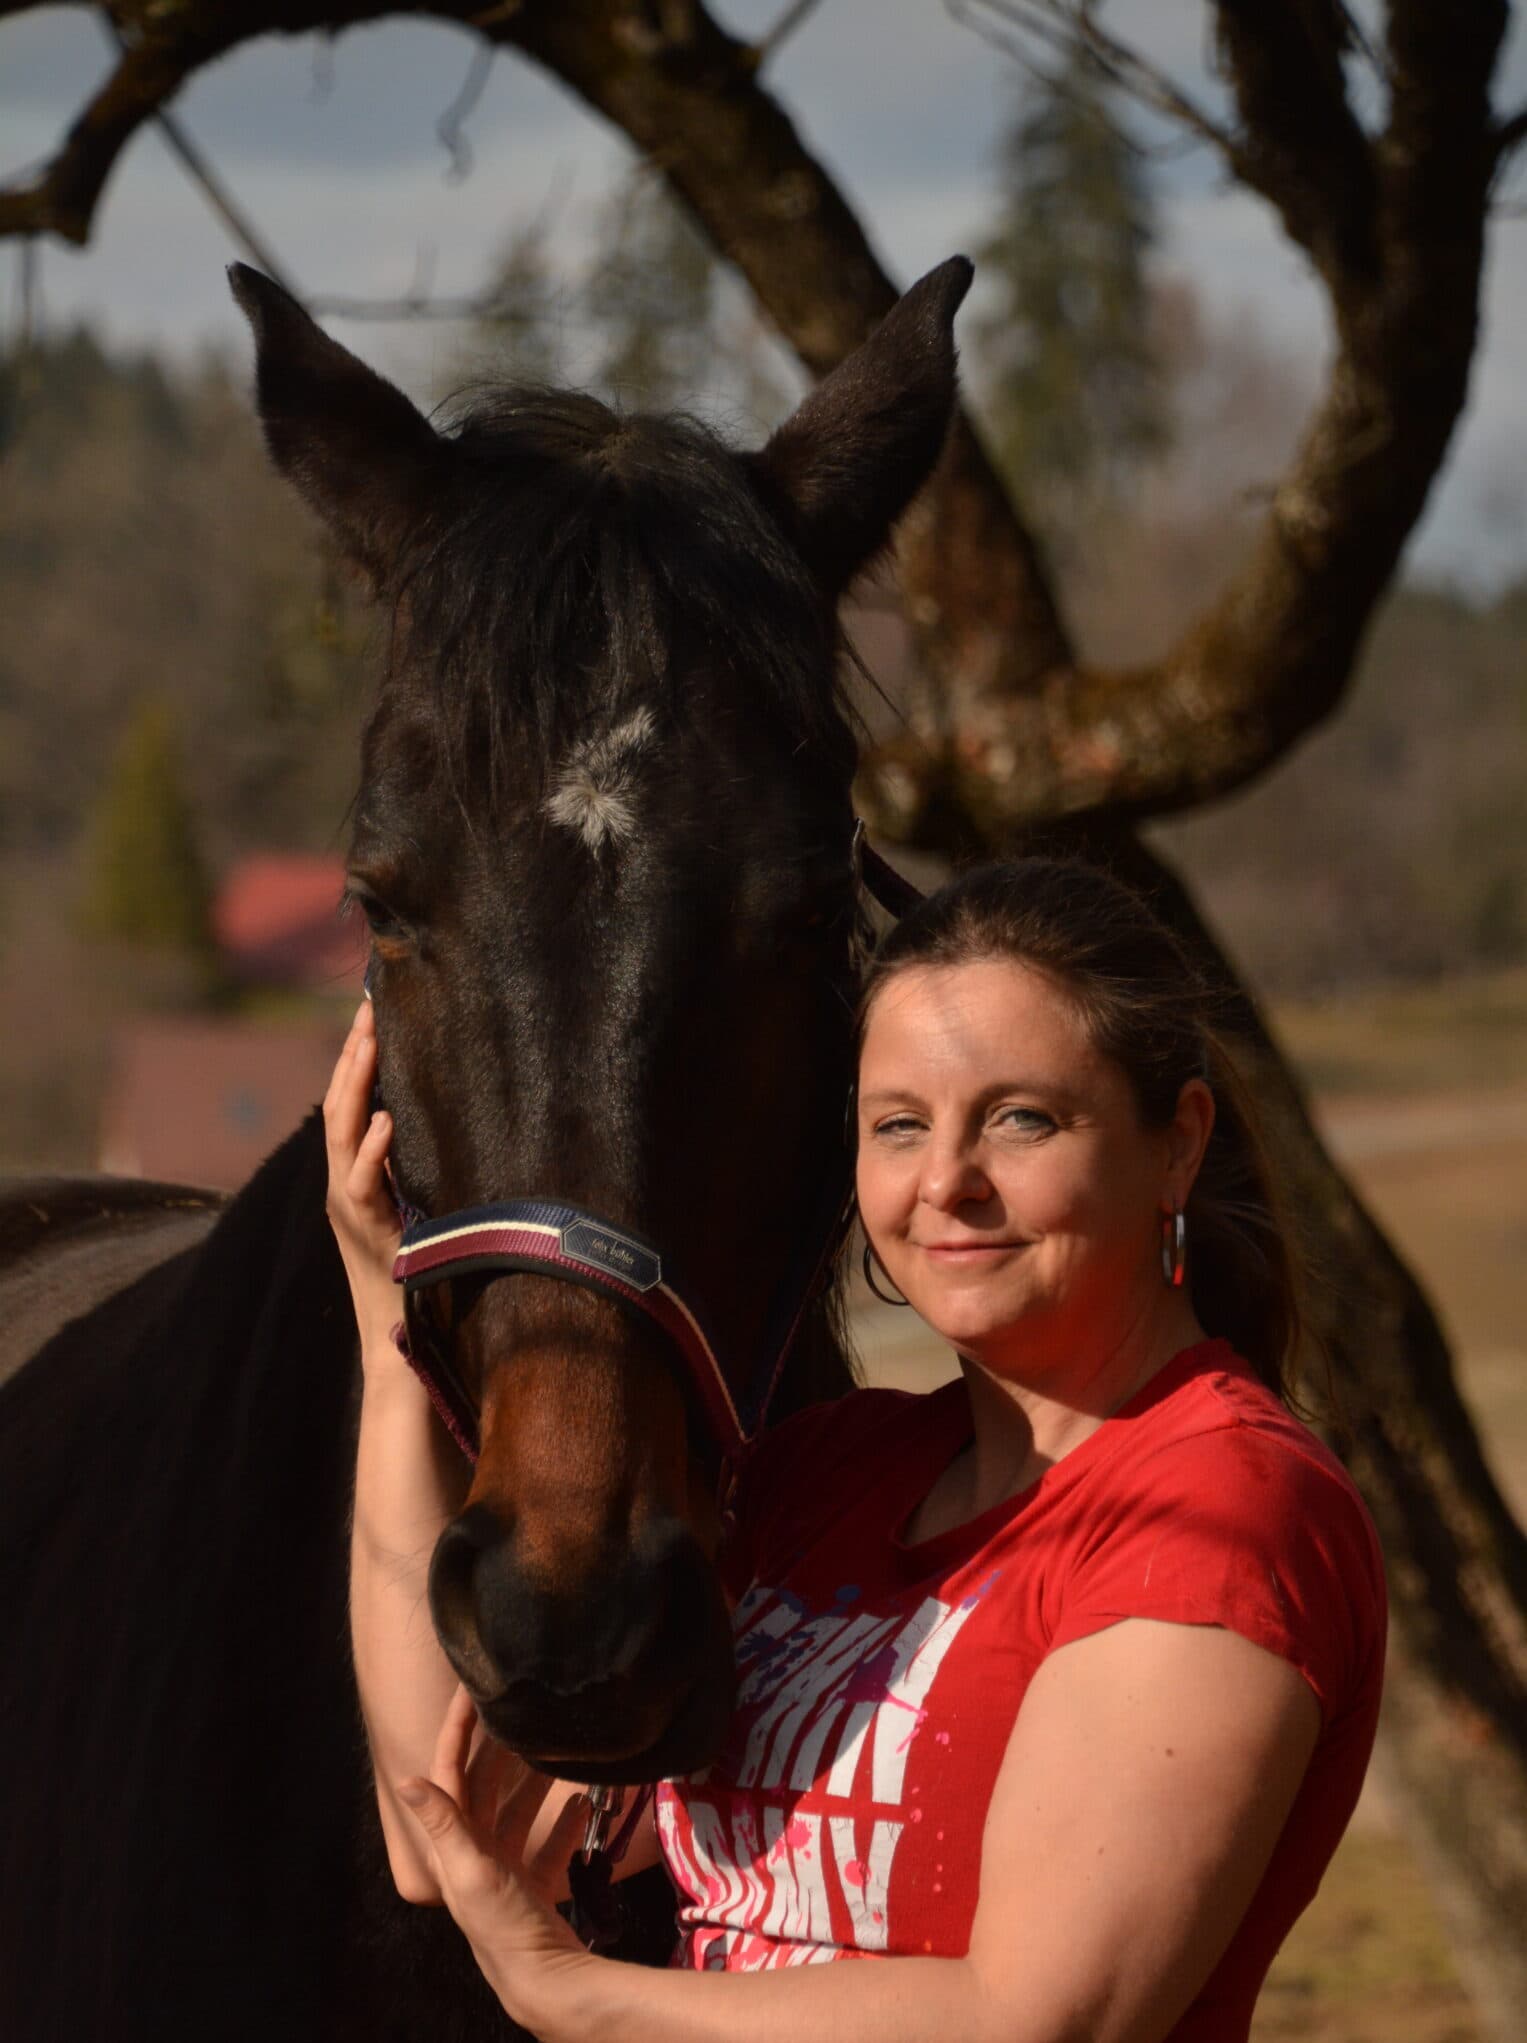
<point x="331" y="150"/>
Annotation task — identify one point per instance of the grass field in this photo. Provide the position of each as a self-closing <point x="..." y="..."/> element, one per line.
<point x="1422" y="1093"/>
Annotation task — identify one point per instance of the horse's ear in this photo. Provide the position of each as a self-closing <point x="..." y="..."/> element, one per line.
<point x="850" y="459"/>
<point x="354" y="446"/>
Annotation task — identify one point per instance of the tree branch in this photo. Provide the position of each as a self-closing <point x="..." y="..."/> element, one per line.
<point x="1510" y="134"/>
<point x="63" y="198"/>
<point x="1299" y="142"/>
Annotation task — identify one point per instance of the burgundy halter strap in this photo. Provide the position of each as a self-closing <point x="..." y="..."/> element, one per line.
<point x="547" y="1237"/>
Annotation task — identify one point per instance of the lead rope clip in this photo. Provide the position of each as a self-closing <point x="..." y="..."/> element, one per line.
<point x="604" y="1805"/>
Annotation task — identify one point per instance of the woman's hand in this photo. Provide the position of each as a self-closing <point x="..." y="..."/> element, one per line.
<point x="360" y="1207"/>
<point x="498" y="1839"/>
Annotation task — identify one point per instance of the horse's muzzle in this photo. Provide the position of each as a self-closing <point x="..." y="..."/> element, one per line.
<point x="624" y="1675"/>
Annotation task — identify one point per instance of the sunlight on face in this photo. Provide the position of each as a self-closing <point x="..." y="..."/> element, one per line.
<point x="1005" y="1177"/>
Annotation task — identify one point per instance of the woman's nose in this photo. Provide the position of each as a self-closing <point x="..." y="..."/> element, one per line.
<point x="952" y="1176"/>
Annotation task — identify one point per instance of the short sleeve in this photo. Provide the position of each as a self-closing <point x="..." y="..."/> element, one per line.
<point x="1240" y="1528"/>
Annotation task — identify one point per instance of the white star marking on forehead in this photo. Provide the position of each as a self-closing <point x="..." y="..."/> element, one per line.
<point x="595" y="793"/>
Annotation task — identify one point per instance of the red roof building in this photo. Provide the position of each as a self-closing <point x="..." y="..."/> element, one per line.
<point x="277" y="923"/>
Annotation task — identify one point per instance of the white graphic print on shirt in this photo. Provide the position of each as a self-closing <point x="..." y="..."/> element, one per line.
<point x="816" y="1694"/>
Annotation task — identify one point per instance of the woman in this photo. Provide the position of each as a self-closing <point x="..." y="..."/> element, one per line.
<point x="1058" y="1684"/>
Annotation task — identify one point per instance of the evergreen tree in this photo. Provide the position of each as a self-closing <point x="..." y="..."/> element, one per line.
<point x="649" y="297"/>
<point x="520" y="323"/>
<point x="144" y="881"/>
<point x="1075" y="389"/>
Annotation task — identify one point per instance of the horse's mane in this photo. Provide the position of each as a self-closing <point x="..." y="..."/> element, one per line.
<point x="583" y="557"/>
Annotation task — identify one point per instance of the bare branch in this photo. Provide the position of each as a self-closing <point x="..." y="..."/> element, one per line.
<point x="1296" y="140"/>
<point x="451" y="126"/>
<point x="1510" y="134"/>
<point x="770" y="44"/>
<point x="411" y="305"/>
<point x="1064" y="26"/>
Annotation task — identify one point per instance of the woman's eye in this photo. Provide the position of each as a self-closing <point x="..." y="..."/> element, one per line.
<point x="1025" y="1120"/>
<point x="900" y="1126"/>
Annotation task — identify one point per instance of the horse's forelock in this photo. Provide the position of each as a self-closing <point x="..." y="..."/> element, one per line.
<point x="584" y="563"/>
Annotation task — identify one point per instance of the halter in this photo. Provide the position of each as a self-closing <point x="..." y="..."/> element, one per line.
<point x="549" y="1238"/>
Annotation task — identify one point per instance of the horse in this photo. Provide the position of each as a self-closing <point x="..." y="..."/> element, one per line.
<point x="604" y="843"/>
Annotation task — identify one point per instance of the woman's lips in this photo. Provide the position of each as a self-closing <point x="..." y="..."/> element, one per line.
<point x="966" y="1251"/>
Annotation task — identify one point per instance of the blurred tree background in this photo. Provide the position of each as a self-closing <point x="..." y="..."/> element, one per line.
<point x="149" y="557"/>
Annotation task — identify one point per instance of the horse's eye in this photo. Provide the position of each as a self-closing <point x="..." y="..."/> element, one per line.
<point x="379" y="917"/>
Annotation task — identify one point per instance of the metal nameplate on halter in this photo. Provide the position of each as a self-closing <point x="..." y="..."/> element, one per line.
<point x="604" y="1248"/>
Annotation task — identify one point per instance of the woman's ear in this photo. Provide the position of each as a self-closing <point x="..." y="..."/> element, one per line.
<point x="1187" y="1139"/>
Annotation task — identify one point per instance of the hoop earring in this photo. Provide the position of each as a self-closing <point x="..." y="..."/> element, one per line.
<point x="1174" y="1248"/>
<point x="869" y="1278"/>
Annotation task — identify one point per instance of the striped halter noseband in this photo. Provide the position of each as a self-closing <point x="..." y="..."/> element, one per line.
<point x="551" y="1239"/>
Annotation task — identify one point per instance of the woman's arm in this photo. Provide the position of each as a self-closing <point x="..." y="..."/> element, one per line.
<point x="1146" y="1783"/>
<point x="408" y="1482"/>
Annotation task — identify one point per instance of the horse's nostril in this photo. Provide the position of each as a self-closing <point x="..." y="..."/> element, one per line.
<point x="453" y="1594"/>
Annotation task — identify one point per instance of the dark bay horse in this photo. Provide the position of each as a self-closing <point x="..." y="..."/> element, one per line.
<point x="603" y="842"/>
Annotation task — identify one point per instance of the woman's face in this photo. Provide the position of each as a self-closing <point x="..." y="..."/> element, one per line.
<point x="1005" y="1177"/>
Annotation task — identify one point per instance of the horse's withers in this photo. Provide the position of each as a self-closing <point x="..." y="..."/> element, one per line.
<point x="603" y="842"/>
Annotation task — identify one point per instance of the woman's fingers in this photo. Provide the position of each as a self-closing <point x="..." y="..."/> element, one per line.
<point x="453" y="1745"/>
<point x="347" y="1104"/>
<point x="364" y="1182"/>
<point x="466" y="1871"/>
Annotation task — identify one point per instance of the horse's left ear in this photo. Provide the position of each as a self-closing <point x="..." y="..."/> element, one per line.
<point x="850" y="459"/>
<point x="367" y="461"/>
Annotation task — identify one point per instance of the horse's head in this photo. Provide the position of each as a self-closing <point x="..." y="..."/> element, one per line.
<point x="603" y="840"/>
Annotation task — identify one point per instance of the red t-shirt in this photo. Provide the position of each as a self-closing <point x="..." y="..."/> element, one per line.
<point x="879" y="1681"/>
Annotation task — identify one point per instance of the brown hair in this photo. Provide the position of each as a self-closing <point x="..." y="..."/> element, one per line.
<point x="1143" y="1004"/>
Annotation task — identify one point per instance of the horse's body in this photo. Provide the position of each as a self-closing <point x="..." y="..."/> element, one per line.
<point x="610" y="898"/>
<point x="189" y="1844"/>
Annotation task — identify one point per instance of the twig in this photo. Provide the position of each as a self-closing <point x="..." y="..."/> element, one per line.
<point x="451" y="126"/>
<point x="1510" y="134"/>
<point x="768" y="45"/>
<point x="419" y="305"/>
<point x="201" y="174"/>
<point x="1068" y="26"/>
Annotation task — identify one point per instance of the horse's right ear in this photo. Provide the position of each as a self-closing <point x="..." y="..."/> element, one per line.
<point x="363" y="457"/>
